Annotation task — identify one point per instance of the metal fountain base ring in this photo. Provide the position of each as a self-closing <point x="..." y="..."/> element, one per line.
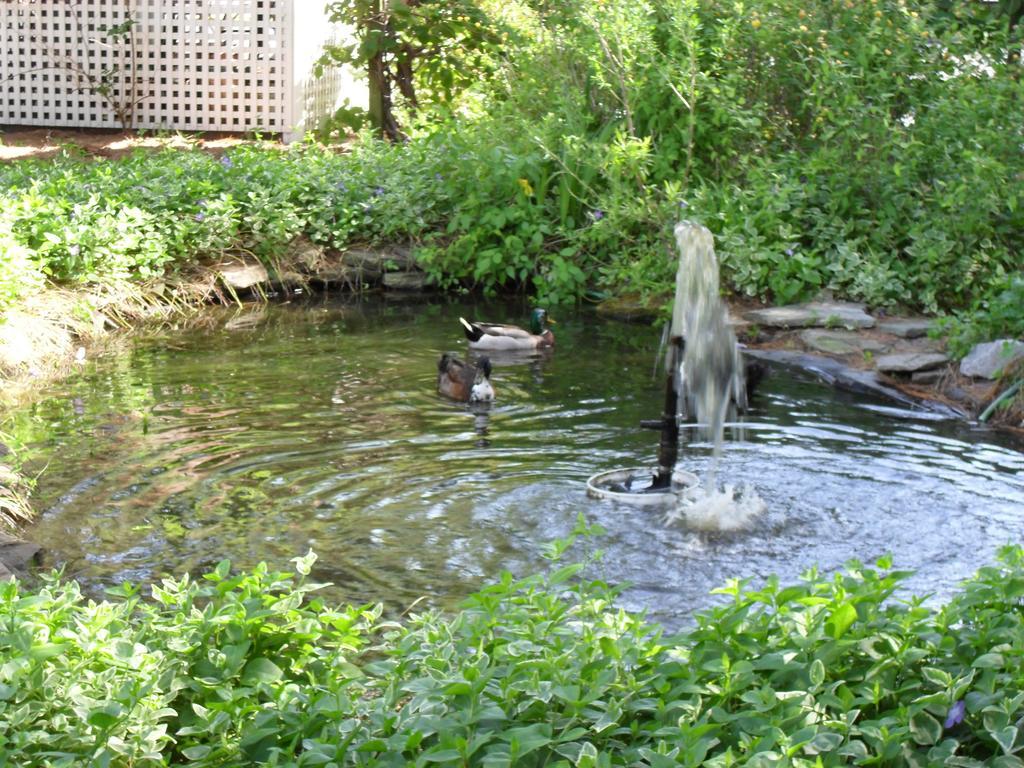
<point x="627" y="485"/>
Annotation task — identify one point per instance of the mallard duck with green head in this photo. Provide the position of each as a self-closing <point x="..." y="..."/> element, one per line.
<point x="510" y="337"/>
<point x="464" y="381"/>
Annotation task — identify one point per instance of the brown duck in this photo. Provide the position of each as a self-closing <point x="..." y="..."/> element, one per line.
<point x="463" y="381"/>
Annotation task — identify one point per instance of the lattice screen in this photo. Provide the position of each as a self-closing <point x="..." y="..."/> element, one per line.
<point x="212" y="65"/>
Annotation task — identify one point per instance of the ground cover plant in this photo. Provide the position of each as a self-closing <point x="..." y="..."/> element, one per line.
<point x="241" y="669"/>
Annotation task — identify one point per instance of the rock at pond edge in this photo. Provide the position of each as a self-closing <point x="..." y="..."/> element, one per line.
<point x="841" y="342"/>
<point x="405" y="281"/>
<point x="988" y="360"/>
<point x="817" y="314"/>
<point x="630" y="308"/>
<point x="910" y="362"/>
<point x="242" y="274"/>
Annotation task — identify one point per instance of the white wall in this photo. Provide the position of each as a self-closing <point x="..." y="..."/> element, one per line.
<point x="212" y="65"/>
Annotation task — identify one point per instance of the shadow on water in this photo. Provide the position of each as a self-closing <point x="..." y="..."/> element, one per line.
<point x="317" y="425"/>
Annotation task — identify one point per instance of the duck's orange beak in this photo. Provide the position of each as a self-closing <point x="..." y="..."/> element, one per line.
<point x="552" y="321"/>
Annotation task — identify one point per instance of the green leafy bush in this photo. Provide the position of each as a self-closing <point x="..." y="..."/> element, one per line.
<point x="254" y="669"/>
<point x="81" y="221"/>
<point x="871" y="149"/>
<point x="999" y="316"/>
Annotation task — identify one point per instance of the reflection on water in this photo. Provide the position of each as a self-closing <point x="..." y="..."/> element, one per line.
<point x="318" y="426"/>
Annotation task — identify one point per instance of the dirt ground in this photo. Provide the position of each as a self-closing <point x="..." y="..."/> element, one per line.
<point x="18" y="143"/>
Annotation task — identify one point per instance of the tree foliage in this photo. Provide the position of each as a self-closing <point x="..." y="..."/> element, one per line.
<point x="415" y="52"/>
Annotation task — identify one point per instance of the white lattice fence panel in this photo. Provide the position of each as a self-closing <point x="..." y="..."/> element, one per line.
<point x="217" y="65"/>
<point x="39" y="49"/>
<point x="232" y="67"/>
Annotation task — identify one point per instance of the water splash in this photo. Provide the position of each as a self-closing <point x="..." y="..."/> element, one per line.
<point x="712" y="377"/>
<point x="729" y="509"/>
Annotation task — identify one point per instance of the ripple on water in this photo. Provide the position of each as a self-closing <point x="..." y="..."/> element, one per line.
<point x="332" y="437"/>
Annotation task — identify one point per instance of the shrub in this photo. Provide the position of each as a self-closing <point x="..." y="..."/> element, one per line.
<point x="868" y="148"/>
<point x="999" y="316"/>
<point x="243" y="669"/>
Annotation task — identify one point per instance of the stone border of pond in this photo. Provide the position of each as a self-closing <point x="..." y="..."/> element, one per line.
<point x="900" y="359"/>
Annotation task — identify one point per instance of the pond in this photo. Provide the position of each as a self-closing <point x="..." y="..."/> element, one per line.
<point x="265" y="433"/>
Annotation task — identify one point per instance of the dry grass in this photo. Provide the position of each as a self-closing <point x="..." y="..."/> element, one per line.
<point x="15" y="509"/>
<point x="52" y="332"/>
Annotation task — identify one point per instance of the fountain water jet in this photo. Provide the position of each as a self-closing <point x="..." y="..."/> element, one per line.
<point x="704" y="379"/>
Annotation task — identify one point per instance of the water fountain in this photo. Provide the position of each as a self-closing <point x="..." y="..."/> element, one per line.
<point x="704" y="377"/>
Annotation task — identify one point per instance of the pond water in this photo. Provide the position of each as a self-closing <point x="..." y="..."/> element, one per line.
<point x="288" y="427"/>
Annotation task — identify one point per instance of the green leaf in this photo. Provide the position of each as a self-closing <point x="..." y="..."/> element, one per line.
<point x="107" y="717"/>
<point x="442" y="756"/>
<point x="220" y="572"/>
<point x="304" y="564"/>
<point x="988" y="661"/>
<point x="937" y="677"/>
<point x="925" y="729"/>
<point x="46" y="651"/>
<point x="842" y="617"/>
<point x="825" y="741"/>
<point x="525" y="740"/>
<point x="261" y="670"/>
<point x="1005" y="738"/>
<point x="817" y="672"/>
<point x="565" y="573"/>
<point x="587" y="756"/>
<point x="198" y="752"/>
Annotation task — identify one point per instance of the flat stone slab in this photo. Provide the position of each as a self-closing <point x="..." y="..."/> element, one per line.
<point x="814" y="314"/>
<point x="629" y="308"/>
<point x="16" y="555"/>
<point x="841" y="376"/>
<point x="841" y="342"/>
<point x="987" y="361"/>
<point x="396" y="258"/>
<point x="337" y="273"/>
<point x="368" y="264"/>
<point x="906" y="327"/>
<point x="927" y="377"/>
<point x="242" y="274"/>
<point x="405" y="281"/>
<point x="305" y="253"/>
<point x="289" y="280"/>
<point x="910" y="362"/>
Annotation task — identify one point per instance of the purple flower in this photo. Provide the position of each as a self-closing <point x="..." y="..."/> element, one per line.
<point x="956" y="714"/>
<point x="201" y="203"/>
<point x="226" y="161"/>
<point x="200" y="216"/>
<point x="439" y="177"/>
<point x="378" y="191"/>
<point x="683" y="204"/>
<point x="342" y="186"/>
<point x="597" y="214"/>
<point x="789" y="251"/>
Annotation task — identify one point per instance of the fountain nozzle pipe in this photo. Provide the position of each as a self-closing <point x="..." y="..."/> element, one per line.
<point x="668" y="446"/>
